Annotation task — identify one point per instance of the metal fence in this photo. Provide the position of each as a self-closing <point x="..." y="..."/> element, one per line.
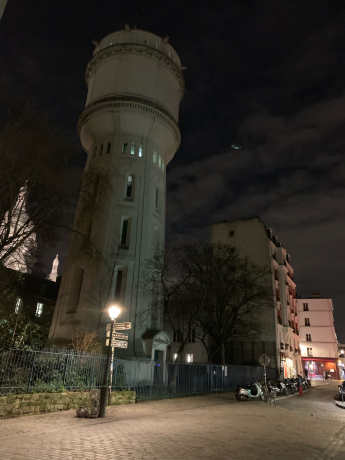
<point x="24" y="371"/>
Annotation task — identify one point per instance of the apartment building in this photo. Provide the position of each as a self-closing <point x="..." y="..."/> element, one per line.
<point x="280" y="339"/>
<point x="318" y="338"/>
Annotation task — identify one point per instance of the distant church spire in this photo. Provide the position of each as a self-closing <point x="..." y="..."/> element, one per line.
<point x="54" y="273"/>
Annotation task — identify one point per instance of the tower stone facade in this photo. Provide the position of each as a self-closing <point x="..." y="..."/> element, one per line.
<point x="129" y="130"/>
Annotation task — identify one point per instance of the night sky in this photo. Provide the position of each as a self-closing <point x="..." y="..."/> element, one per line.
<point x="266" y="75"/>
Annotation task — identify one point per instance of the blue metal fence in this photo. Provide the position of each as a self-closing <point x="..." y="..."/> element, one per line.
<point x="24" y="371"/>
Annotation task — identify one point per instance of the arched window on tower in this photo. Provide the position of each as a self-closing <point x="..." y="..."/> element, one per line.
<point x="154" y="157"/>
<point x="163" y="165"/>
<point x="157" y="199"/>
<point x="159" y="161"/>
<point x="141" y="150"/>
<point x="129" y="186"/>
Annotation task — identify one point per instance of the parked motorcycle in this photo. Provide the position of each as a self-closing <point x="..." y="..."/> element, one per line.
<point x="290" y="385"/>
<point x="251" y="391"/>
<point x="342" y="391"/>
<point x="282" y="389"/>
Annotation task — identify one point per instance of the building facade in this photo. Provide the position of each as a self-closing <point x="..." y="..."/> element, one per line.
<point x="280" y="339"/>
<point x="318" y="338"/>
<point x="129" y="128"/>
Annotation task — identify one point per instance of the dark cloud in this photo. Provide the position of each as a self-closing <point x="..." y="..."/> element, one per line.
<point x="269" y="76"/>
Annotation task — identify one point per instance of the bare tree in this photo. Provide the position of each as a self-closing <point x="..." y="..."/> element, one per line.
<point x="228" y="292"/>
<point x="37" y="183"/>
<point x="211" y="289"/>
<point x="164" y="279"/>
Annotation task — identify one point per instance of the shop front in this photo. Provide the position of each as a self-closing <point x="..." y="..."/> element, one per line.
<point x="317" y="367"/>
<point x="287" y="369"/>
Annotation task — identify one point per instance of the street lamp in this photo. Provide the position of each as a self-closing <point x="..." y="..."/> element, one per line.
<point x="114" y="312"/>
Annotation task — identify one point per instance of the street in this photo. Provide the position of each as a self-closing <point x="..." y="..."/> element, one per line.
<point x="203" y="427"/>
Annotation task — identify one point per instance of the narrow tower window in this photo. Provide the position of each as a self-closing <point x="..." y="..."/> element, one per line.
<point x="163" y="165"/>
<point x="141" y="150"/>
<point x="133" y="148"/>
<point x="129" y="186"/>
<point x="159" y="161"/>
<point x="157" y="198"/>
<point x="155" y="157"/>
<point x="124" y="147"/>
<point x="124" y="233"/>
<point x="109" y="147"/>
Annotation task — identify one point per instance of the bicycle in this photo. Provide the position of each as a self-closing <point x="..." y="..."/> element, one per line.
<point x="269" y="395"/>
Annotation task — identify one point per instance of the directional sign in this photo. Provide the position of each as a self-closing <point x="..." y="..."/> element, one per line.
<point x="120" y="326"/>
<point x="119" y="344"/>
<point x="117" y="335"/>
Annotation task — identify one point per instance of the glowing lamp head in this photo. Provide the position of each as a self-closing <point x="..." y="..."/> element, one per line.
<point x="114" y="312"/>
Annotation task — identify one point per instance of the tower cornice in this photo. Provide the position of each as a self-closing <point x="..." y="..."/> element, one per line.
<point x="132" y="102"/>
<point x="135" y="48"/>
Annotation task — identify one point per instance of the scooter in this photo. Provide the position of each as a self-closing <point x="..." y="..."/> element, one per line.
<point x="281" y="388"/>
<point x="251" y="391"/>
<point x="290" y="385"/>
<point x="342" y="391"/>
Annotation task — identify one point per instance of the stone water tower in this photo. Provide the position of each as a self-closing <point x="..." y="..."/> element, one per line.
<point x="129" y="128"/>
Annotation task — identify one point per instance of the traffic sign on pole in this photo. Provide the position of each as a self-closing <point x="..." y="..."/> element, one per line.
<point x="119" y="344"/>
<point x="120" y="326"/>
<point x="117" y="335"/>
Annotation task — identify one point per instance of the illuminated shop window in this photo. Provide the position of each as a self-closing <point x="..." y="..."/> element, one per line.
<point x="189" y="358"/>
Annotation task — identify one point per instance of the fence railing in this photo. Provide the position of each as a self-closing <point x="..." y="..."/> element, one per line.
<point x="24" y="371"/>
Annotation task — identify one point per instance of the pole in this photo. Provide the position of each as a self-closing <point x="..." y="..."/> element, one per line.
<point x="105" y="384"/>
<point x="265" y="374"/>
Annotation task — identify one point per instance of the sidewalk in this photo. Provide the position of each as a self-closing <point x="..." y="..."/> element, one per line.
<point x="203" y="427"/>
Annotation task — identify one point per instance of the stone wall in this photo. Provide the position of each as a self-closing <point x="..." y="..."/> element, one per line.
<point x="29" y="404"/>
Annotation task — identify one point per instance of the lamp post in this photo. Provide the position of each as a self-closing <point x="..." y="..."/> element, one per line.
<point x="114" y="312"/>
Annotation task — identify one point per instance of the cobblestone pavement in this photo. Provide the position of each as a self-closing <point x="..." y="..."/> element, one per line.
<point x="203" y="427"/>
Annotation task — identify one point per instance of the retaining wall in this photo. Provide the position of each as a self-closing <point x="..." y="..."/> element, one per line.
<point x="38" y="403"/>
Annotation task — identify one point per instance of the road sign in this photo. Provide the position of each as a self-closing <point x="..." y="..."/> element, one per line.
<point x="264" y="360"/>
<point x="120" y="326"/>
<point x="119" y="344"/>
<point x="117" y="335"/>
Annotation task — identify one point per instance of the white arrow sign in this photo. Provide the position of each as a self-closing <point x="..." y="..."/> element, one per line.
<point x="117" y="335"/>
<point x="120" y="326"/>
<point x="119" y="344"/>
